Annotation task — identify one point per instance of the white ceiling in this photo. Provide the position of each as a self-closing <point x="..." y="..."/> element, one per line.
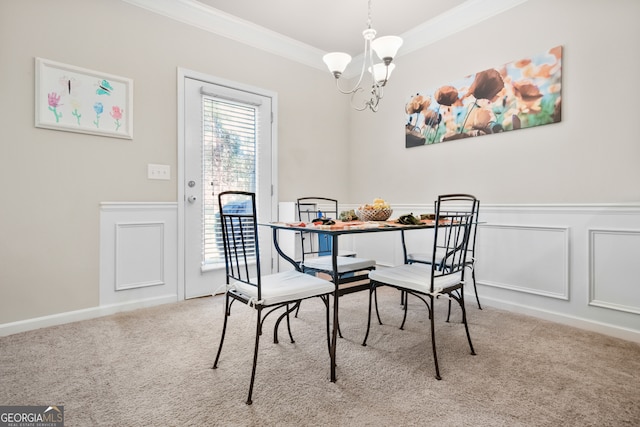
<point x="304" y="31"/>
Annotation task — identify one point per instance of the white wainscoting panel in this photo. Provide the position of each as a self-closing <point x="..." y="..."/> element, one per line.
<point x="138" y="253"/>
<point x="525" y="258"/>
<point x="572" y="264"/>
<point x="614" y="278"/>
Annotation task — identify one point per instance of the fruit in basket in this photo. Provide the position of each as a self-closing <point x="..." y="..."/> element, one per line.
<point x="379" y="210"/>
<point x="377" y="205"/>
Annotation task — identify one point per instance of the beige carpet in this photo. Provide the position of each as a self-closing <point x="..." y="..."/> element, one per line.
<point x="152" y="367"/>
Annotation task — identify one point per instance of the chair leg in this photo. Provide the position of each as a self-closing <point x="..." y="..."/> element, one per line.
<point x="433" y="339"/>
<point x="464" y="320"/>
<point x="406" y="308"/>
<point x="297" y="310"/>
<point x="473" y="276"/>
<point x="255" y="356"/>
<point x="449" y="307"/>
<point x="339" y="330"/>
<point x="227" y="312"/>
<point x="325" y="300"/>
<point x="372" y="289"/>
<point x="277" y="326"/>
<point x="375" y="295"/>
<point x="289" y="324"/>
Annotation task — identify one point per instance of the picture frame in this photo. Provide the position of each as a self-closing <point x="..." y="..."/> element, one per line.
<point x="517" y="95"/>
<point x="74" y="99"/>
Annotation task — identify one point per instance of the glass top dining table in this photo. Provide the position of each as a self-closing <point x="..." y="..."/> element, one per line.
<point x="339" y="228"/>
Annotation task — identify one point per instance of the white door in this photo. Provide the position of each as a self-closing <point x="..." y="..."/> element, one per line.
<point x="227" y="146"/>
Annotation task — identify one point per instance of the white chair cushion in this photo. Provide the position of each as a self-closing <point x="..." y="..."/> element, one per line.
<point x="286" y="286"/>
<point x="414" y="277"/>
<point x="345" y="264"/>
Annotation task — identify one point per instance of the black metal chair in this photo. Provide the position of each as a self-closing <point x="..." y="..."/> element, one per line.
<point x="426" y="257"/>
<point x="454" y="218"/>
<point x="316" y="248"/>
<point x="246" y="284"/>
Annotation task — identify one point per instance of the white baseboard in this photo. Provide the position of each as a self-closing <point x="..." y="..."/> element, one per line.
<point x="586" y="324"/>
<point x="85" y="314"/>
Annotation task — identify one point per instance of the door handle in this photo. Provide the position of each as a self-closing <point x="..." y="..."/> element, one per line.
<point x="191" y="199"/>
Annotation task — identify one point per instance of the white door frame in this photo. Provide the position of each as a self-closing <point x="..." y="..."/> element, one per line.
<point x="182" y="75"/>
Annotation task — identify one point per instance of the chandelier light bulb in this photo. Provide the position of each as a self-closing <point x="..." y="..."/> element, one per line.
<point x="386" y="47"/>
<point x="337" y="62"/>
<point x="382" y="72"/>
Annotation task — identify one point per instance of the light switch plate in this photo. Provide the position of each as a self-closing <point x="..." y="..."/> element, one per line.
<point x="158" y="171"/>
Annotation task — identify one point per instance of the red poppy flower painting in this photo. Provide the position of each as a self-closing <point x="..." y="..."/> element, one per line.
<point x="517" y="95"/>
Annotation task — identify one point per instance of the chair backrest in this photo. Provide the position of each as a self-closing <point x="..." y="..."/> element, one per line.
<point x="455" y="217"/>
<point x="240" y="237"/>
<point x="310" y="208"/>
<point x="471" y="251"/>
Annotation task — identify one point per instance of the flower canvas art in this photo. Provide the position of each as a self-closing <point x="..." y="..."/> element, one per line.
<point x="517" y="95"/>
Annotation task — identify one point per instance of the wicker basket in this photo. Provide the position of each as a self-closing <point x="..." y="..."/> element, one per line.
<point x="373" y="214"/>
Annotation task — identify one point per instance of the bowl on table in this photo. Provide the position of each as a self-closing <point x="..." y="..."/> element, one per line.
<point x="375" y="214"/>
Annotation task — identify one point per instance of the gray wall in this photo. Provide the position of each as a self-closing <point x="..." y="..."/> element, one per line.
<point x="52" y="182"/>
<point x="591" y="156"/>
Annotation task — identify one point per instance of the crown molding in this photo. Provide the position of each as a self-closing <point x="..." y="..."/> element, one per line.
<point x="206" y="18"/>
<point x="455" y="20"/>
<point x="199" y="15"/>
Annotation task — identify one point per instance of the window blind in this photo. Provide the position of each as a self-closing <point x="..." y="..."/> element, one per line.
<point x="229" y="144"/>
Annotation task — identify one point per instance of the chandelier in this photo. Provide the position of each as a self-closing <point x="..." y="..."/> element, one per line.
<point x="385" y="48"/>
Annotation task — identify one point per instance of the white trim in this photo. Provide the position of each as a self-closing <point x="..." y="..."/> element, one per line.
<point x="84" y="314"/>
<point x="122" y="261"/>
<point x="215" y="21"/>
<point x="182" y="74"/>
<point x="137" y="251"/>
<point x="207" y="18"/>
<point x="578" y="311"/>
<point x="119" y="206"/>
<point x="565" y="319"/>
<point x="564" y="208"/>
<point x="565" y="261"/>
<point x="592" y="269"/>
<point x="453" y="21"/>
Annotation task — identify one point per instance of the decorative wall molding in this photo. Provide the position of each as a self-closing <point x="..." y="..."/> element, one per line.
<point x="525" y="258"/>
<point x="594" y="248"/>
<point x="138" y="252"/>
<point x="613" y="279"/>
<point x="207" y="18"/>
<point x="602" y="245"/>
<point x="570" y="263"/>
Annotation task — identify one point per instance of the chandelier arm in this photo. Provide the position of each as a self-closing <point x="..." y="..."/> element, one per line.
<point x="356" y="87"/>
<point x="355" y="107"/>
<point x="386" y="48"/>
